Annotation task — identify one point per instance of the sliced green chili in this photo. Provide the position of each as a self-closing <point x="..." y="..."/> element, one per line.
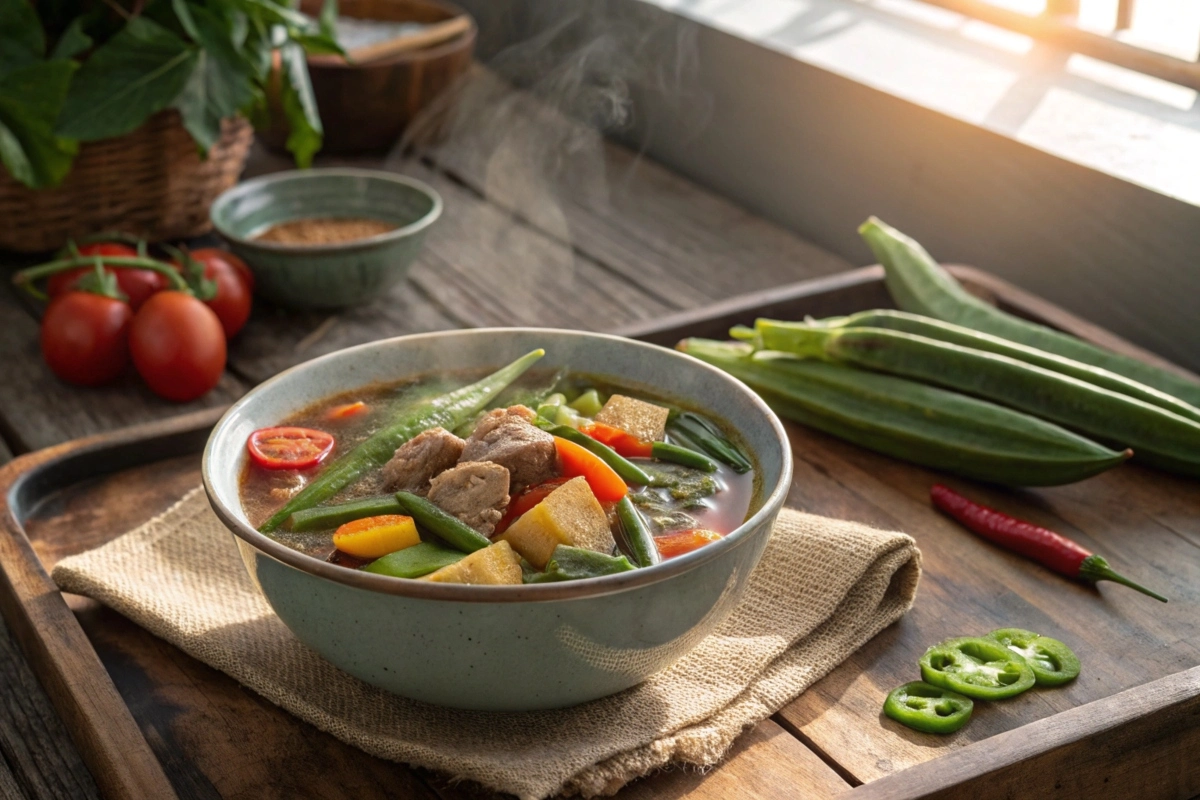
<point x="931" y="709"/>
<point x="1052" y="662"/>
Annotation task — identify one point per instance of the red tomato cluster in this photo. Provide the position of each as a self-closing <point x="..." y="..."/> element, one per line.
<point x="91" y="331"/>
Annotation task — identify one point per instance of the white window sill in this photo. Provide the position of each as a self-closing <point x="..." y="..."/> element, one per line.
<point x="1131" y="126"/>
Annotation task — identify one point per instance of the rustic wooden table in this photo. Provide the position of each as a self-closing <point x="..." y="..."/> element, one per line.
<point x="647" y="245"/>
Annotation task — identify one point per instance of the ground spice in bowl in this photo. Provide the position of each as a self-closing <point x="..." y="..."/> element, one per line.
<point x="324" y="230"/>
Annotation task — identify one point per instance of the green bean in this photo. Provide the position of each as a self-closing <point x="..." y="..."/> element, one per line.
<point x="325" y="517"/>
<point x="774" y="335"/>
<point x="911" y="421"/>
<point x="1156" y="435"/>
<point x="641" y="542"/>
<point x="919" y="284"/>
<point x="629" y="472"/>
<point x="709" y="438"/>
<point x="432" y="519"/>
<point x="574" y="563"/>
<point x="665" y="451"/>
<point x="413" y="562"/>
<point x="448" y="410"/>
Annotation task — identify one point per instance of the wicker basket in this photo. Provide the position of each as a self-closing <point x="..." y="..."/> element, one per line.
<point x="151" y="182"/>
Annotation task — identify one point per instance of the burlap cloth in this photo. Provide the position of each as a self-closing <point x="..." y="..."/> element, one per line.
<point x="823" y="588"/>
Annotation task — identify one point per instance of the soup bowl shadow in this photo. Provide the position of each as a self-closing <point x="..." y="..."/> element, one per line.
<point x="504" y="648"/>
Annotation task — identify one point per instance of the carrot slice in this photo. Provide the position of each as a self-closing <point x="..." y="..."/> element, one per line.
<point x="375" y="537"/>
<point x="676" y="544"/>
<point x="625" y="443"/>
<point x="575" y="461"/>
<point x="346" y="411"/>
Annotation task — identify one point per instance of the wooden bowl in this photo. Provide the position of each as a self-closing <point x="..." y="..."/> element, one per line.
<point x="367" y="107"/>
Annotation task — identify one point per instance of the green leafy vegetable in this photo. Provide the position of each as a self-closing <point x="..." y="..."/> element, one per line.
<point x="74" y="40"/>
<point x="107" y="73"/>
<point x="136" y="73"/>
<point x="30" y="97"/>
<point x="299" y="106"/>
<point x="21" y="39"/>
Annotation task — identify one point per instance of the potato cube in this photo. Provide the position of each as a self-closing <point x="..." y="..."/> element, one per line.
<point x="571" y="515"/>
<point x="646" y="421"/>
<point x="495" y="565"/>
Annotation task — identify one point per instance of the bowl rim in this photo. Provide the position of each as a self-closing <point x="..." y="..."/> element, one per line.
<point x="370" y="242"/>
<point x="587" y="587"/>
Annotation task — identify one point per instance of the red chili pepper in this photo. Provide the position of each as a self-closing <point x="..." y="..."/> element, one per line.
<point x="1032" y="541"/>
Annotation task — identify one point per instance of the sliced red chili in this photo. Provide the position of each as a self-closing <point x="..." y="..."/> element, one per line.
<point x="289" y="448"/>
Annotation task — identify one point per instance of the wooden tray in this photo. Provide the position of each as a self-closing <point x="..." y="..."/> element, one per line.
<point x="152" y="722"/>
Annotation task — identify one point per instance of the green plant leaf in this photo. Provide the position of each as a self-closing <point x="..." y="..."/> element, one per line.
<point x="222" y="83"/>
<point x="21" y="39"/>
<point x="318" y="44"/>
<point x="299" y="106"/>
<point x="137" y="73"/>
<point x="73" y="40"/>
<point x="328" y="19"/>
<point x="30" y="100"/>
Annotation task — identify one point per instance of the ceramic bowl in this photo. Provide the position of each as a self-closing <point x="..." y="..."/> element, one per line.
<point x="506" y="648"/>
<point x="327" y="275"/>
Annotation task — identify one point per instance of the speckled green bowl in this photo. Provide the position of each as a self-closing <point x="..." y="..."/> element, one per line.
<point x="327" y="275"/>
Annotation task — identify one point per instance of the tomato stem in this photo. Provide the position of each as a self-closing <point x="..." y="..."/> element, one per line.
<point x="26" y="277"/>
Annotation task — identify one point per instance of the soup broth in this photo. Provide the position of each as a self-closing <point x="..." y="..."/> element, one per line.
<point x="681" y="499"/>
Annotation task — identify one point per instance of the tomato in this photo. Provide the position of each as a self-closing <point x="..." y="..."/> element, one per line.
<point x="525" y="501"/>
<point x="676" y="544"/>
<point x="177" y="346"/>
<point x="291" y="448"/>
<point x="235" y="284"/>
<point x="346" y="411"/>
<point x="136" y="284"/>
<point x="626" y="444"/>
<point x="85" y="337"/>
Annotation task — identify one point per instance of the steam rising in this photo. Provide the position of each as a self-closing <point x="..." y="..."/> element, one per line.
<point x="583" y="73"/>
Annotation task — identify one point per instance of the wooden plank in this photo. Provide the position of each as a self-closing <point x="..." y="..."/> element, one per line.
<point x="36" y="753"/>
<point x="58" y="652"/>
<point x="970" y="587"/>
<point x="765" y="762"/>
<point x="1140" y="743"/>
<point x="672" y="238"/>
<point x="35" y="750"/>
<point x="38" y="410"/>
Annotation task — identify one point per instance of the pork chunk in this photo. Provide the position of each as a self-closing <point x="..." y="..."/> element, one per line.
<point x="474" y="491"/>
<point x="508" y="438"/>
<point x="420" y="458"/>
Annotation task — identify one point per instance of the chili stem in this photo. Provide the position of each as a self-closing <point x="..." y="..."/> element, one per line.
<point x="1095" y="568"/>
<point x="26" y="277"/>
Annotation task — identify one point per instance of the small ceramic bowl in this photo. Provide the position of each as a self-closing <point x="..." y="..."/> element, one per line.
<point x="327" y="275"/>
<point x="505" y="648"/>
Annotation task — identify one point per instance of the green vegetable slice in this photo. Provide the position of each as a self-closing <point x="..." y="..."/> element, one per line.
<point x="1052" y="662"/>
<point x="980" y="668"/>
<point x="575" y="563"/>
<point x="928" y="708"/>
<point x="413" y="562"/>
